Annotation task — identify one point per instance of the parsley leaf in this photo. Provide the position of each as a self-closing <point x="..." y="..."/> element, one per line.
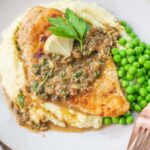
<point x="62" y="28"/>
<point x="71" y="27"/>
<point x="78" y="23"/>
<point x="21" y="98"/>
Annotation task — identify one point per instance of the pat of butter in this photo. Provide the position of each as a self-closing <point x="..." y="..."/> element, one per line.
<point x="58" y="45"/>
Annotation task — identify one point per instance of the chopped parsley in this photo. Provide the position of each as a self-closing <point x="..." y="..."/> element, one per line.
<point x="97" y="74"/>
<point x="21" y="99"/>
<point x="77" y="74"/>
<point x="34" y="85"/>
<point x="63" y="74"/>
<point x="44" y="61"/>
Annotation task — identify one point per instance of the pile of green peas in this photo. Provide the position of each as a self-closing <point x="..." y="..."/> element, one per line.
<point x="133" y="67"/>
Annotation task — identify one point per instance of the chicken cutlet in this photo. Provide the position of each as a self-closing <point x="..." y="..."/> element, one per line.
<point x="87" y="80"/>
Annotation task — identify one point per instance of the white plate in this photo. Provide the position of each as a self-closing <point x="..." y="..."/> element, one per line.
<point x="115" y="137"/>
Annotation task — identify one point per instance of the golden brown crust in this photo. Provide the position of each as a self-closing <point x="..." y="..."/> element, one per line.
<point x="105" y="99"/>
<point x="33" y="25"/>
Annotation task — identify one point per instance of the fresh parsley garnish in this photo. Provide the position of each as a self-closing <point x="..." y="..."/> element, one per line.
<point x="71" y="27"/>
<point x="21" y="99"/>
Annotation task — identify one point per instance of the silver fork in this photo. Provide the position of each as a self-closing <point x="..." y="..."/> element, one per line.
<point x="140" y="137"/>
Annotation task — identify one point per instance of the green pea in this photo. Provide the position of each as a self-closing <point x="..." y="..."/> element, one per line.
<point x="129" y="120"/>
<point x="146" y="56"/>
<point x="146" y="77"/>
<point x="125" y="83"/>
<point x="136" y="64"/>
<point x="142" y="44"/>
<point x="138" y="50"/>
<point x="147" y="51"/>
<point x="131" y="98"/>
<point x="144" y="70"/>
<point x="132" y="70"/>
<point x="147" y="98"/>
<point x="121" y="72"/>
<point x="126" y="67"/>
<point x="124" y="61"/>
<point x="138" y="56"/>
<point x="129" y="77"/>
<point x="131" y="106"/>
<point x="139" y="73"/>
<point x="144" y="84"/>
<point x="143" y="91"/>
<point x="123" y="23"/>
<point x="128" y="29"/>
<point x="130" y="51"/>
<point x="115" y="51"/>
<point x="117" y="58"/>
<point x="147" y="64"/>
<point x="132" y="35"/>
<point x="137" y="108"/>
<point x="148" y="46"/>
<point x="148" y="88"/>
<point x="131" y="59"/>
<point x="129" y="45"/>
<point x="143" y="103"/>
<point x="130" y="90"/>
<point x="115" y="120"/>
<point x="141" y="60"/>
<point x="148" y="73"/>
<point x="122" y="41"/>
<point x="139" y="98"/>
<point x="127" y="114"/>
<point x="122" y="53"/>
<point x="148" y="82"/>
<point x="122" y="121"/>
<point x="121" y="68"/>
<point x="137" y="87"/>
<point x="141" y="80"/>
<point x="135" y="41"/>
<point x="107" y="121"/>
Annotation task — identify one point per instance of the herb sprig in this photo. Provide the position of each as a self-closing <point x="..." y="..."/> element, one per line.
<point x="71" y="27"/>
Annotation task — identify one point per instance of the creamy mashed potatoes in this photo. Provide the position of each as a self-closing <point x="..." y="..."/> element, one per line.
<point x="14" y="78"/>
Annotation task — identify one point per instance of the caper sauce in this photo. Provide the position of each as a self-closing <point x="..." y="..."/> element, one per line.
<point x="57" y="77"/>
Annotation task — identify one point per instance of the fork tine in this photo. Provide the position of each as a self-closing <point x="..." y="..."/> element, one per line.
<point x="144" y="140"/>
<point x="133" y="137"/>
<point x="147" y="143"/>
<point x="138" y="139"/>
